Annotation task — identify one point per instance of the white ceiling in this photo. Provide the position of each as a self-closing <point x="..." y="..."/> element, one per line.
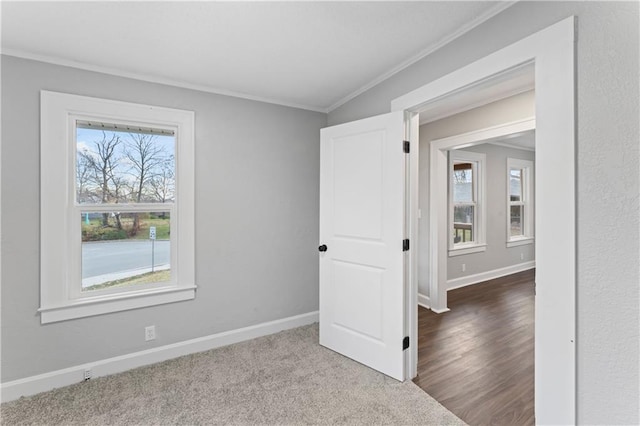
<point x="523" y="140"/>
<point x="314" y="55"/>
<point x="500" y="86"/>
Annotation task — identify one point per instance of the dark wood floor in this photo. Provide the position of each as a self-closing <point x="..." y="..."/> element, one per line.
<point x="477" y="359"/>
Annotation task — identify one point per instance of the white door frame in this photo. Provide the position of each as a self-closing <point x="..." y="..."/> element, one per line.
<point x="552" y="52"/>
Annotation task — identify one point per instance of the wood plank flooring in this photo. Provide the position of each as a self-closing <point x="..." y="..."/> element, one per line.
<point x="477" y="359"/>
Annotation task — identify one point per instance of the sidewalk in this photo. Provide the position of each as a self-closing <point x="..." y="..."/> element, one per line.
<point x="100" y="279"/>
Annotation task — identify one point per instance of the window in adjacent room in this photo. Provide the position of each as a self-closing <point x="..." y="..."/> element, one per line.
<point x="466" y="202"/>
<point x="519" y="202"/>
<point x="117" y="206"/>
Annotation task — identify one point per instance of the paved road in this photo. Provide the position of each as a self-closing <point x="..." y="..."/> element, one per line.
<point x="100" y="258"/>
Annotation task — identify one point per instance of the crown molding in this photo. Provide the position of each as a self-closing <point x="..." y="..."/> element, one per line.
<point x="153" y="79"/>
<point x="480" y="19"/>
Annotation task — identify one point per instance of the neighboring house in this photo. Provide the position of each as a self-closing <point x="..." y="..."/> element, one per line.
<point x="256" y="229"/>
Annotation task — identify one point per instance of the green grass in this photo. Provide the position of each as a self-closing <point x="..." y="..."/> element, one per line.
<point x="95" y="231"/>
<point x="162" y="229"/>
<point x="149" y="277"/>
<point x="465" y="235"/>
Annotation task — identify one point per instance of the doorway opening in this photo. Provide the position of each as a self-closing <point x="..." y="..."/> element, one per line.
<point x="478" y="360"/>
<point x="551" y="53"/>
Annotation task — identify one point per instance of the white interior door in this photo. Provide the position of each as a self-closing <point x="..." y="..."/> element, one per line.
<point x="362" y="207"/>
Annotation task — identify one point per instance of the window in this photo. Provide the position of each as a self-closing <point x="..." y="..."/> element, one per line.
<point x="117" y="207"/>
<point x="519" y="202"/>
<point x="466" y="202"/>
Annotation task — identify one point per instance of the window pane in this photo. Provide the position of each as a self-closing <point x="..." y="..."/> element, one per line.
<point x="119" y="249"/>
<point x="462" y="183"/>
<point x="116" y="164"/>
<point x="515" y="184"/>
<point x="463" y="220"/>
<point x="517" y="217"/>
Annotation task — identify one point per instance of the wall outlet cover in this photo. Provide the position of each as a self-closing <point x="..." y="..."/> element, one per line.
<point x="150" y="333"/>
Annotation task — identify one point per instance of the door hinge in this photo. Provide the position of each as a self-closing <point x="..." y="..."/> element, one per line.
<point x="406" y="147"/>
<point x="405" y="343"/>
<point x="405" y="245"/>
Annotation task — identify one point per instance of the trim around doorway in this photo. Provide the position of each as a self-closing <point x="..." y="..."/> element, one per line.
<point x="552" y="51"/>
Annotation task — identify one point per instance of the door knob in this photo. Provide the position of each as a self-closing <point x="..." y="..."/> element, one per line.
<point x="322" y="248"/>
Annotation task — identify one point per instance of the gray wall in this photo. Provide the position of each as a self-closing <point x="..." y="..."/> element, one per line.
<point x="514" y="108"/>
<point x="497" y="254"/>
<point x="608" y="144"/>
<point x="257" y="191"/>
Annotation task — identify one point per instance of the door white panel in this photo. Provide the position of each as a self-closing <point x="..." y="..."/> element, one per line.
<point x="364" y="218"/>
<point x="362" y="187"/>
<point x="354" y="282"/>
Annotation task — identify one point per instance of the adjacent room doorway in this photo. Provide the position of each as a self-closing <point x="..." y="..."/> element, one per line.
<point x="478" y="359"/>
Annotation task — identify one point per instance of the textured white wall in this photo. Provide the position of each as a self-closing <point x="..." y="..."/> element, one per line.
<point x="608" y="181"/>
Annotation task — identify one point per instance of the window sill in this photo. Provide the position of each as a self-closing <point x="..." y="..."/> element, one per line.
<point x="115" y="303"/>
<point x="519" y="242"/>
<point x="459" y="251"/>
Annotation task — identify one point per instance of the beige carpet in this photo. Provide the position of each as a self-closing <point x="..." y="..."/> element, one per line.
<point x="285" y="378"/>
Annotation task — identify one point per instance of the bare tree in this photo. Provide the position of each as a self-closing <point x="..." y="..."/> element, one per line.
<point x="462" y="173"/>
<point x="145" y="157"/>
<point x="163" y="181"/>
<point x="119" y="188"/>
<point x="84" y="173"/>
<point x="103" y="163"/>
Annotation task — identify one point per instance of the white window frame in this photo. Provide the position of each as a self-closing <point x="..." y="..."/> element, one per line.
<point x="60" y="237"/>
<point x="527" y="201"/>
<point x="479" y="191"/>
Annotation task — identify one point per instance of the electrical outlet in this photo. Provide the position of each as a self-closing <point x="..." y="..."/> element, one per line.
<point x="521" y="256"/>
<point x="87" y="374"/>
<point x="150" y="333"/>
<point x="464" y="267"/>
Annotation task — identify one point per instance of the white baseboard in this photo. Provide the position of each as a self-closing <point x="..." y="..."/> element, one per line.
<point x="68" y="376"/>
<point x="489" y="275"/>
<point x="424" y="301"/>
